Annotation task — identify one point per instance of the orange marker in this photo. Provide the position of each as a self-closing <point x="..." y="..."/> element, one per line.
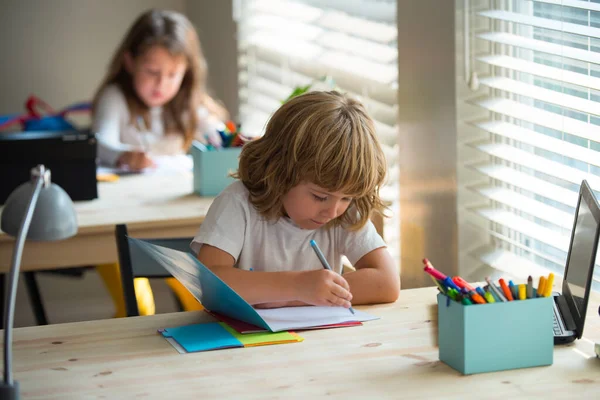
<point x="231" y="126"/>
<point x="477" y="298"/>
<point x="506" y="290"/>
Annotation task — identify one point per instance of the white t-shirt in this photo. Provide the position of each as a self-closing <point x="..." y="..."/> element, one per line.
<point x="233" y="225"/>
<point x="117" y="133"/>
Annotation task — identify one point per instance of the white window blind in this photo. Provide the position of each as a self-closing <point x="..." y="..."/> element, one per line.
<point x="538" y="65"/>
<point x="285" y="43"/>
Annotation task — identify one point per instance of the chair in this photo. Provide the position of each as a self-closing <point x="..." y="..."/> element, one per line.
<point x="136" y="264"/>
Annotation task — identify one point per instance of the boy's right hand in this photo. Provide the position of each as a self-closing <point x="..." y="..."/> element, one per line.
<point x="135" y="160"/>
<point x="323" y="288"/>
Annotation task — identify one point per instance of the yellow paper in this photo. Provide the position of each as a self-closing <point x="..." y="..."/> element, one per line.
<point x="263" y="338"/>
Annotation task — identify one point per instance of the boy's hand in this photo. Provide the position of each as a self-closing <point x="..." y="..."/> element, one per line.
<point x="135" y="160"/>
<point x="323" y="288"/>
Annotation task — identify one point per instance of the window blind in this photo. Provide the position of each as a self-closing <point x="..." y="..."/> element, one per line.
<point x="285" y="43"/>
<point x="538" y="65"/>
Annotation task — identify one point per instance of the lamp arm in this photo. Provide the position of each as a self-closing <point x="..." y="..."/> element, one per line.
<point x="13" y="278"/>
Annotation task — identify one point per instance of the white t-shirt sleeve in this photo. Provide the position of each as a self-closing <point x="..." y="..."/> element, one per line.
<point x="354" y="245"/>
<point x="225" y="224"/>
<point x="110" y="116"/>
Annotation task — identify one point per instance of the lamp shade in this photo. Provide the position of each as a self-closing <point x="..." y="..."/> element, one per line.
<point x="54" y="217"/>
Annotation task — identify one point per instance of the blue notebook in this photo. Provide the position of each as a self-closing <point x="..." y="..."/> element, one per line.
<point x="202" y="337"/>
<point x="216" y="295"/>
<point x="205" y="286"/>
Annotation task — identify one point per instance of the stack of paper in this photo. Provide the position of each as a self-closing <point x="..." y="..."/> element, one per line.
<point x="243" y="327"/>
<point x="218" y="335"/>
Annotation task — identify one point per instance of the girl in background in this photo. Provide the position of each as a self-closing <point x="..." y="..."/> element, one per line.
<point x="153" y="102"/>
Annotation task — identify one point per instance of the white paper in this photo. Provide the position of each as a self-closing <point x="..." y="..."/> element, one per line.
<point x="290" y="318"/>
<point x="165" y="165"/>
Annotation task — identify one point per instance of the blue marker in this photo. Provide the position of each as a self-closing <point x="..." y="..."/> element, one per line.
<point x="480" y="291"/>
<point x="514" y="290"/>
<point x="450" y="284"/>
<point x="323" y="261"/>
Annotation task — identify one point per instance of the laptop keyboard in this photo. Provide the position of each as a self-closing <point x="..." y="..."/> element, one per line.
<point x="555" y="326"/>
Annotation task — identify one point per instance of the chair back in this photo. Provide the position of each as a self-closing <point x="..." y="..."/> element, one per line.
<point x="134" y="263"/>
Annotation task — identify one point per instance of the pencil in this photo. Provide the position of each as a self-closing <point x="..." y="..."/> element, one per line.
<point x="323" y="261"/>
<point x="142" y="135"/>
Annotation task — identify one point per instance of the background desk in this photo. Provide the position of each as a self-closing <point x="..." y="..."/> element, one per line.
<point x="151" y="206"/>
<point x="394" y="357"/>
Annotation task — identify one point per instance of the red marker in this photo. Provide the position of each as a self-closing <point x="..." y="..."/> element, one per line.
<point x="460" y="282"/>
<point x="432" y="271"/>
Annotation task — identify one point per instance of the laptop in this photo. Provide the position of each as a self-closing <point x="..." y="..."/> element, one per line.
<point x="570" y="306"/>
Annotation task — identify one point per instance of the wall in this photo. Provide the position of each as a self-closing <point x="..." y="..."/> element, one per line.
<point x="427" y="125"/>
<point x="218" y="35"/>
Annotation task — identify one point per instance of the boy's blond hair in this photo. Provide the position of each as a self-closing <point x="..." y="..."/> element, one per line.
<point x="325" y="138"/>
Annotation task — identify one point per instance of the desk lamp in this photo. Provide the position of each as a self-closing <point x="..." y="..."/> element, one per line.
<point x="597" y="345"/>
<point x="37" y="210"/>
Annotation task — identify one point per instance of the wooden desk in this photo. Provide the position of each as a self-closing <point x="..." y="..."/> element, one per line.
<point x="150" y="205"/>
<point x="394" y="357"/>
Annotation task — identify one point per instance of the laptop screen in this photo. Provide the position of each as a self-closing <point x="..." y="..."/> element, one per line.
<point x="582" y="255"/>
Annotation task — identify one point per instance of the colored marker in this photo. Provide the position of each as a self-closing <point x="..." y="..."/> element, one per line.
<point x="541" y="287"/>
<point x="548" y="285"/>
<point x="466" y="301"/>
<point x="448" y="282"/>
<point x="451" y="293"/>
<point x="530" y="287"/>
<point x="477" y="298"/>
<point x="432" y="271"/>
<point x="487" y="289"/>
<point x="435" y="273"/>
<point x="462" y="283"/>
<point x="323" y="261"/>
<point x="506" y="290"/>
<point x="522" y="291"/>
<point x="480" y="291"/>
<point x="489" y="297"/>
<point x="459" y="297"/>
<point x="495" y="290"/>
<point x="439" y="285"/>
<point x="514" y="289"/>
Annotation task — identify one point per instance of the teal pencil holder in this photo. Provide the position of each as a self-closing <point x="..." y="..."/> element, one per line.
<point x="497" y="336"/>
<point x="212" y="168"/>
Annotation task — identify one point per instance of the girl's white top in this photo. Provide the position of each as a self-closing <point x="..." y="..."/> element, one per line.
<point x="117" y="132"/>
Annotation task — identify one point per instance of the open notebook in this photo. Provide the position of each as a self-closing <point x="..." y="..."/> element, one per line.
<point x="216" y="296"/>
